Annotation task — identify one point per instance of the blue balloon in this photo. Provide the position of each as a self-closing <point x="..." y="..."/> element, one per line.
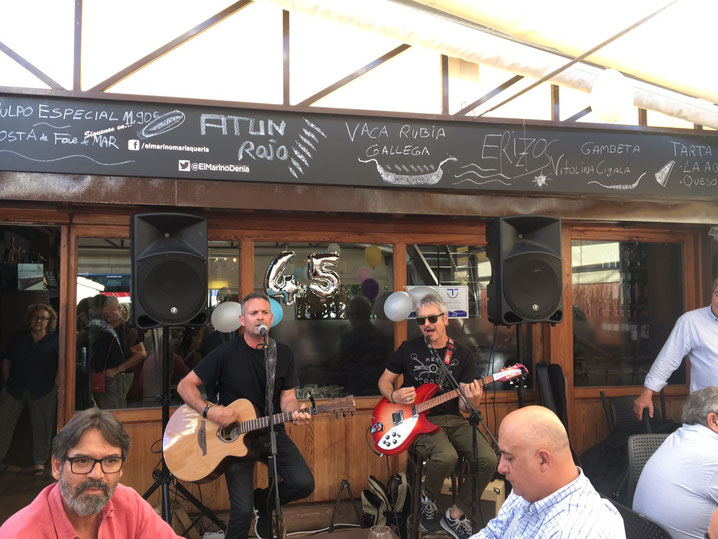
<point x="277" y="311"/>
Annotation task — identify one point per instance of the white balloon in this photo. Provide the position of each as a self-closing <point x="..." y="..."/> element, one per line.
<point x="334" y="248"/>
<point x="418" y="292"/>
<point x="225" y="317"/>
<point x="611" y="96"/>
<point x="398" y="306"/>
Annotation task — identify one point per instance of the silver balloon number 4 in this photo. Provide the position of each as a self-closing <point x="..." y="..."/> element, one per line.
<point x="324" y="282"/>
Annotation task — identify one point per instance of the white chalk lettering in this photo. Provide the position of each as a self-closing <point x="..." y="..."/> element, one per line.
<point x="593" y="148"/>
<point x="691" y="150"/>
<point x="255" y="127"/>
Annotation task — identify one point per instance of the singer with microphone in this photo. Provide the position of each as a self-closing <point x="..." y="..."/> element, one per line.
<point x="237" y="370"/>
<point x="416" y="359"/>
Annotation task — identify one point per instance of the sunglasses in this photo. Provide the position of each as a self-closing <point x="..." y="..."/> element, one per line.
<point x="431" y="318"/>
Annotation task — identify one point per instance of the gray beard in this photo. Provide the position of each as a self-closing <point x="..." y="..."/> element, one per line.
<point x="87" y="505"/>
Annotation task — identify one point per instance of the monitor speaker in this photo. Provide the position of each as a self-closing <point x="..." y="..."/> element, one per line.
<point x="169" y="270"/>
<point x="525" y="256"/>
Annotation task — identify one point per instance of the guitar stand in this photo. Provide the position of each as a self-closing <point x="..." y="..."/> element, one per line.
<point x="162" y="476"/>
<point x="344" y="485"/>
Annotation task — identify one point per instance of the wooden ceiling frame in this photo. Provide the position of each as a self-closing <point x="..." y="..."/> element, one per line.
<point x="355" y="75"/>
<point x="167" y="47"/>
<point x="31" y="67"/>
<point x="493" y="93"/>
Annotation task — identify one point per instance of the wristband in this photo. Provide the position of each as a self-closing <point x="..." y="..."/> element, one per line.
<point x="206" y="409"/>
<point x="391" y="397"/>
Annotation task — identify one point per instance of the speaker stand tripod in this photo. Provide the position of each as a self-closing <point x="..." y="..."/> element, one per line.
<point x="162" y="475"/>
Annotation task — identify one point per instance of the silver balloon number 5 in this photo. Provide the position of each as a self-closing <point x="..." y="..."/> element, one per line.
<point x="324" y="281"/>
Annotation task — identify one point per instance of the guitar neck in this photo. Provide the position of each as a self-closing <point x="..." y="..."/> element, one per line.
<point x="260" y="423"/>
<point x="450" y="395"/>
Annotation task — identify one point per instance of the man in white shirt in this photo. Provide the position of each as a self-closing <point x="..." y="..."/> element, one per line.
<point x="679" y="484"/>
<point x="695" y="335"/>
<point x="551" y="497"/>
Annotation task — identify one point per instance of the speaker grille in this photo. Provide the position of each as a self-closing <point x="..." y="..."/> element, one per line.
<point x="534" y="292"/>
<point x="174" y="287"/>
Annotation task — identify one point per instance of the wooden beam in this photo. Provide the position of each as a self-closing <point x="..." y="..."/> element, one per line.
<point x="358" y="73"/>
<point x="578" y="115"/>
<point x="496" y="91"/>
<point x="30" y="67"/>
<point x="286" y="72"/>
<point x="77" y="49"/>
<point x="167" y="47"/>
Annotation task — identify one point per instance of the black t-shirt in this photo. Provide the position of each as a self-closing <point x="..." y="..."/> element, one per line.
<point x="33" y="365"/>
<point x="238" y="372"/>
<point x="414" y="360"/>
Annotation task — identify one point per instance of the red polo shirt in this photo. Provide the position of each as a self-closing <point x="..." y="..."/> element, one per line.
<point x="126" y="515"/>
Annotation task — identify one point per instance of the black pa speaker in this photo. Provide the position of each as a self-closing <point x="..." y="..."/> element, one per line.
<point x="169" y="270"/>
<point x="525" y="256"/>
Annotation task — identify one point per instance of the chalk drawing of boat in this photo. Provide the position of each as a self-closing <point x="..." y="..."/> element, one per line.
<point x="400" y="178"/>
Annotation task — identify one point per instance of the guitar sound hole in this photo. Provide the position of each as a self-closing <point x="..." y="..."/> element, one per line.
<point x="228" y="435"/>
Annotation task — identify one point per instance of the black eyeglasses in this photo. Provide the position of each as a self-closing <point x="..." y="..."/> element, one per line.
<point x="431" y="318"/>
<point x="41" y="318"/>
<point x="84" y="465"/>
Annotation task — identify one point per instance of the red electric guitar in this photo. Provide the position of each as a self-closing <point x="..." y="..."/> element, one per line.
<point x="395" y="427"/>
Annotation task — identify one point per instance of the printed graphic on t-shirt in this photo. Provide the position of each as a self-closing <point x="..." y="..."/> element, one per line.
<point x="426" y="370"/>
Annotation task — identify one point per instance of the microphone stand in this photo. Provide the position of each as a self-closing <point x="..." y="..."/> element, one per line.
<point x="272" y="457"/>
<point x="476" y="419"/>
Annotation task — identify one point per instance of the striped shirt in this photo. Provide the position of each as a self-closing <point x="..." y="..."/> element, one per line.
<point x="575" y="511"/>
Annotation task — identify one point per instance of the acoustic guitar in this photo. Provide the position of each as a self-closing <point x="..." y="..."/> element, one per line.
<point x="197" y="450"/>
<point x="394" y="427"/>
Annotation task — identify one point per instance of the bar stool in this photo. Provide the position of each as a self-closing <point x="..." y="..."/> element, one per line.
<point x="415" y="471"/>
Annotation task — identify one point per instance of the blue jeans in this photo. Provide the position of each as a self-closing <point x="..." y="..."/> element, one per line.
<point x="297" y="481"/>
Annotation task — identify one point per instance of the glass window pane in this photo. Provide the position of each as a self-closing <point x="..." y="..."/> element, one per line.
<point x="342" y="342"/>
<point x="467" y="268"/>
<point x="627" y="296"/>
<point x="104" y="271"/>
<point x="29" y="301"/>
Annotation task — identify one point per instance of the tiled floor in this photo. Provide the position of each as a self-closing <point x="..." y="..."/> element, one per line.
<point x="18" y="487"/>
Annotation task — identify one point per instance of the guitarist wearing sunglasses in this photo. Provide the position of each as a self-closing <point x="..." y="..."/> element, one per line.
<point x="442" y="448"/>
<point x="237" y="370"/>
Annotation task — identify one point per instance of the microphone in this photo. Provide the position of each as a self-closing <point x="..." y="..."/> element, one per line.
<point x="263" y="330"/>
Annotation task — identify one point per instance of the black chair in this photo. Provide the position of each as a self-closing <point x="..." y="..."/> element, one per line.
<point x="639" y="527"/>
<point x="622" y="420"/>
<point x="620" y="416"/>
<point x="640" y="449"/>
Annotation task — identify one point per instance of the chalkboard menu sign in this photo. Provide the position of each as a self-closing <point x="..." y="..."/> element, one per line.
<point x="82" y="136"/>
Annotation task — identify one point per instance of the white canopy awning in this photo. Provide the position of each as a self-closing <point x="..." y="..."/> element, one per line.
<point x="666" y="56"/>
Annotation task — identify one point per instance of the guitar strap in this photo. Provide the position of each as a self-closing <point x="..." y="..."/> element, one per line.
<point x="271" y="355"/>
<point x="447" y="359"/>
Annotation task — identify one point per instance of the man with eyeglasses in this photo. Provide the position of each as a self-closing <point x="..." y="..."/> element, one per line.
<point x="441" y="449"/>
<point x="87" y="501"/>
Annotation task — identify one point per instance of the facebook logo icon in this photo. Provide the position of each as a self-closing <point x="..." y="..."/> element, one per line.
<point x="133" y="144"/>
